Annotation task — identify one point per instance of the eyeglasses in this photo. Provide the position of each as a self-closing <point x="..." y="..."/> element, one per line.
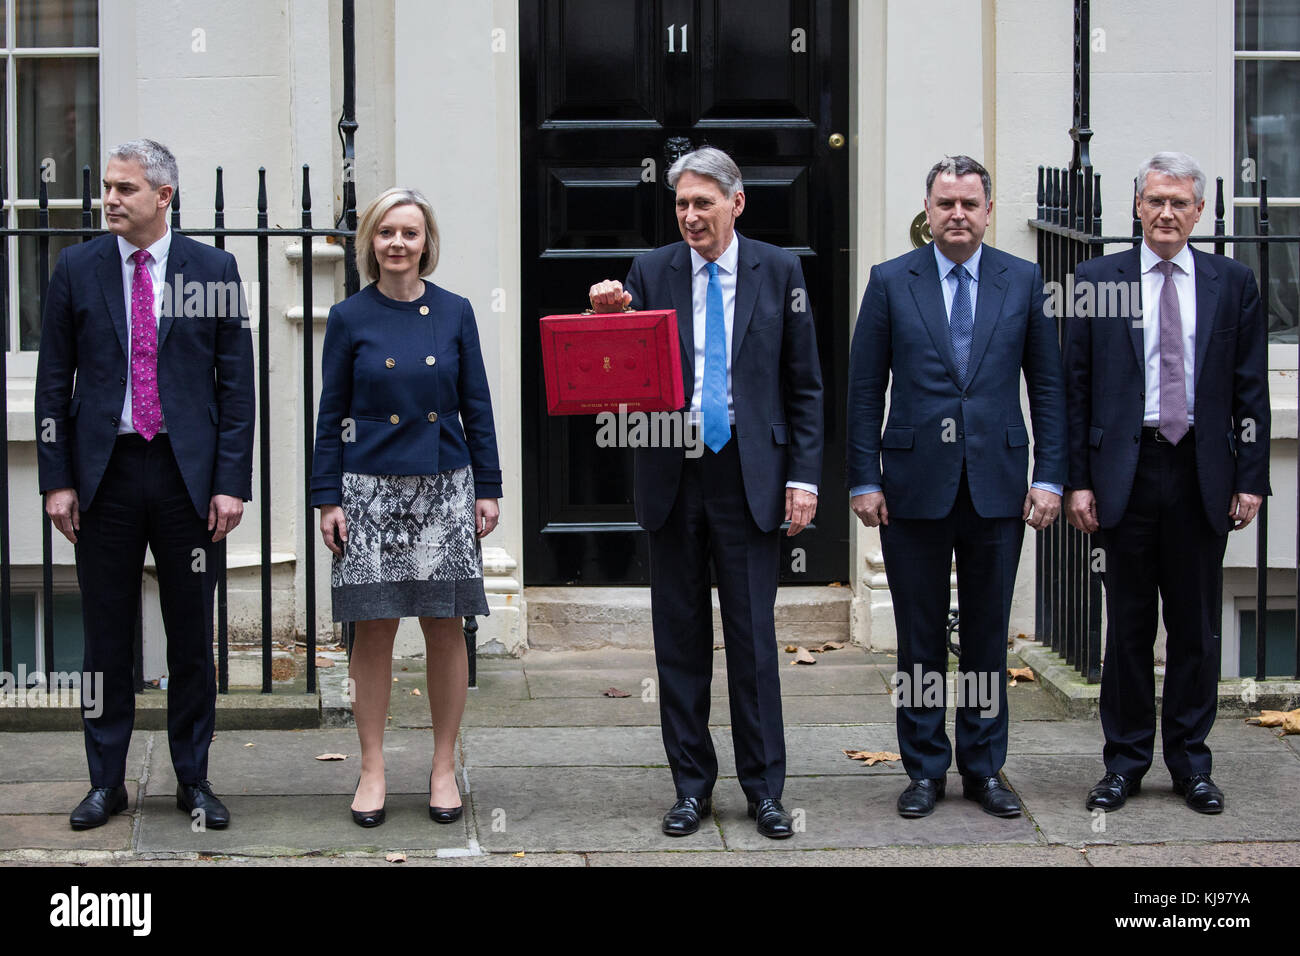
<point x="1157" y="205"/>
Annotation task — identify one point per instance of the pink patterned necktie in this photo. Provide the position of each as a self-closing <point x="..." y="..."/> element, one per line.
<point x="1173" y="375"/>
<point x="146" y="411"/>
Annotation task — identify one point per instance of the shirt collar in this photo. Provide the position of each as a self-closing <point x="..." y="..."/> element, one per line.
<point x="946" y="265"/>
<point x="726" y="262"/>
<point x="1183" y="260"/>
<point x="158" y="250"/>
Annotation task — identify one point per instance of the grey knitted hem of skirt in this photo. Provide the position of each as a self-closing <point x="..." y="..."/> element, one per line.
<point x="411" y="549"/>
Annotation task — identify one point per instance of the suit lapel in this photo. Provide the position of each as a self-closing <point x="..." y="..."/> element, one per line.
<point x="1207" y="308"/>
<point x="110" y="282"/>
<point x="679" y="285"/>
<point x="746" y="294"/>
<point x="990" y="290"/>
<point x="173" y="295"/>
<point x="929" y="303"/>
<point x="1130" y="266"/>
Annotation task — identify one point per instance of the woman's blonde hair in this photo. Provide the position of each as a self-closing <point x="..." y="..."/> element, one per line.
<point x="374" y="214"/>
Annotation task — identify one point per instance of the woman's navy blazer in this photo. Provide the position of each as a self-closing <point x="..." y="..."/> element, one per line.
<point x="403" y="392"/>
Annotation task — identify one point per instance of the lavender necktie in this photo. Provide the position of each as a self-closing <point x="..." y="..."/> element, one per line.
<point x="146" y="412"/>
<point x="1173" y="380"/>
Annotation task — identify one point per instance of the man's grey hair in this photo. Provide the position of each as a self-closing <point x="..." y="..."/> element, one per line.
<point x="1176" y="166"/>
<point x="712" y="162"/>
<point x="156" y="159"/>
<point x="959" y="166"/>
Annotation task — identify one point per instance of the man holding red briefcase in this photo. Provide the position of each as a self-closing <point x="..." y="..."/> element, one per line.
<point x="750" y="361"/>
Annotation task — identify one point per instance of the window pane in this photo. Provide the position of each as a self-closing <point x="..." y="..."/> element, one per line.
<point x="58" y="22"/>
<point x="29" y="289"/>
<point x="1268" y="25"/>
<point x="69" y="652"/>
<point x="1268" y="126"/>
<point x="1283" y="295"/>
<point x="58" y="125"/>
<point x="24" y="631"/>
<point x="1279" y="643"/>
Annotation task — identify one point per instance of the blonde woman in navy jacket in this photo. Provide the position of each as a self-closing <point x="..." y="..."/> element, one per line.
<point x="407" y="478"/>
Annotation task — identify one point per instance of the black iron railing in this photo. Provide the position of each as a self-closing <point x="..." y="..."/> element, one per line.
<point x="263" y="233"/>
<point x="1068" y="589"/>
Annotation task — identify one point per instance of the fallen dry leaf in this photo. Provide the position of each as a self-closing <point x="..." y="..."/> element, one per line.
<point x="872" y="757"/>
<point x="519" y="854"/>
<point x="1288" y="720"/>
<point x="331" y="756"/>
<point x="833" y="646"/>
<point x="325" y="662"/>
<point x="615" y="692"/>
<point x="835" y="584"/>
<point x="801" y="656"/>
<point x="415" y="692"/>
<point x="396" y="857"/>
<point x="250" y="745"/>
<point x="791" y="648"/>
<point x="1019" y="674"/>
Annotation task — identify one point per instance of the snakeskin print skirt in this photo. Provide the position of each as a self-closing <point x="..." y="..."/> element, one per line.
<point x="411" y="548"/>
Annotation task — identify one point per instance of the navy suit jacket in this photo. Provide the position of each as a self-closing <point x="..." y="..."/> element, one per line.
<point x="386" y="409"/>
<point x="935" y="422"/>
<point x="776" y="378"/>
<point x="1106" y="387"/>
<point x="205" y="370"/>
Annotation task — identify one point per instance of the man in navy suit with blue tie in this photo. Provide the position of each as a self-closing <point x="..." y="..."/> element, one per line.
<point x="955" y="323"/>
<point x="754" y="389"/>
<point x="144" y="405"/>
<point x="1169" y="440"/>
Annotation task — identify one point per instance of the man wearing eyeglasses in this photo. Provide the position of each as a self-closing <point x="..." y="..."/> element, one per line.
<point x="1168" y="442"/>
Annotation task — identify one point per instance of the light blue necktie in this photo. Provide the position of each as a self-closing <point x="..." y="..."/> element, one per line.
<point x="962" y="324"/>
<point x="713" y="401"/>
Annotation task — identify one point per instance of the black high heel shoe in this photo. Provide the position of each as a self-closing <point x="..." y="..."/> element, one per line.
<point x="443" y="814"/>
<point x="367" y="818"/>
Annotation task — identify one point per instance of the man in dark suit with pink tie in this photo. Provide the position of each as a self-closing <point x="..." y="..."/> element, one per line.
<point x="1169" y="438"/>
<point x="144" y="404"/>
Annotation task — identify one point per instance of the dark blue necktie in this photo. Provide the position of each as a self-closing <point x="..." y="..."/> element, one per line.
<point x="713" y="400"/>
<point x="962" y="324"/>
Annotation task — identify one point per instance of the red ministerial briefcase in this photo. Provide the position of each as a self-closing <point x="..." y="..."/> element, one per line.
<point x="597" y="362"/>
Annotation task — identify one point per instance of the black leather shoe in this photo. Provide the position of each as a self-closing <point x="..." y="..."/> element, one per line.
<point x="368" y="818"/>
<point x="773" y="821"/>
<point x="1200" y="793"/>
<point x="1112" y="791"/>
<point x="99" y="804"/>
<point x="991" y="795"/>
<point x="919" y="798"/>
<point x="443" y="814"/>
<point x="199" y="796"/>
<point x="684" y="817"/>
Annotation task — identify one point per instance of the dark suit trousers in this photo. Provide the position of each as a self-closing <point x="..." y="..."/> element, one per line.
<point x="711" y="519"/>
<point x="142" y="501"/>
<point x="918" y="562"/>
<point x="1164" y="545"/>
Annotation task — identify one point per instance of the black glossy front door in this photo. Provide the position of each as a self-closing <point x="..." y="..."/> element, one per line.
<point x="612" y="92"/>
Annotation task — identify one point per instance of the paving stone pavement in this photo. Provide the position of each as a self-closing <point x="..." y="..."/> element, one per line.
<point x="556" y="773"/>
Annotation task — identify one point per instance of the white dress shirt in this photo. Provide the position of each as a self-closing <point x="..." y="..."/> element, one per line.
<point x="1184" y="279"/>
<point x="157" y="267"/>
<point x="727" y="265"/>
